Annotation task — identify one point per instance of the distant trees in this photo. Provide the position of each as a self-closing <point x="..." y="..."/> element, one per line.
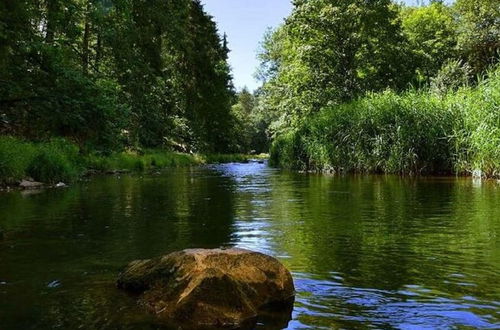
<point x="114" y="73"/>
<point x="252" y="122"/>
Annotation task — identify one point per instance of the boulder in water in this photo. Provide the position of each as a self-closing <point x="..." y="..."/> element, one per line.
<point x="210" y="288"/>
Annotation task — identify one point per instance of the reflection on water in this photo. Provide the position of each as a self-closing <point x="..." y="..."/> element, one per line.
<point x="365" y="251"/>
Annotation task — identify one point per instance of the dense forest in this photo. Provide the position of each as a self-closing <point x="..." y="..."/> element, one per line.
<point x="359" y="86"/>
<point x="107" y="74"/>
<point x="375" y="86"/>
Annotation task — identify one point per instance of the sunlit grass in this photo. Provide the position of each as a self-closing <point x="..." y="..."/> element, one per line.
<point x="414" y="133"/>
<point x="53" y="161"/>
<point x="59" y="160"/>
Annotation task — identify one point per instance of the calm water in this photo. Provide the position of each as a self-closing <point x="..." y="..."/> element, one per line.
<point x="365" y="251"/>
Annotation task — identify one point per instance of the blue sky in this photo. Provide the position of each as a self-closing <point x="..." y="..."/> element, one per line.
<point x="245" y="21"/>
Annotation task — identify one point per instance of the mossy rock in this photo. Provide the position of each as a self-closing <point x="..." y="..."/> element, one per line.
<point x="211" y="288"/>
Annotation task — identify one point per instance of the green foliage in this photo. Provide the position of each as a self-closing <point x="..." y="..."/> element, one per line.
<point x="133" y="161"/>
<point x="477" y="134"/>
<point x="413" y="133"/>
<point x="453" y="75"/>
<point x="336" y="77"/>
<point x="51" y="162"/>
<point x="331" y="51"/>
<point x="130" y="74"/>
<point x="152" y="159"/>
<point x="54" y="162"/>
<point x="224" y="158"/>
<point x="432" y="35"/>
<point x="15" y="157"/>
<point x="114" y="74"/>
<point x="252" y="122"/>
<point x="479" y="33"/>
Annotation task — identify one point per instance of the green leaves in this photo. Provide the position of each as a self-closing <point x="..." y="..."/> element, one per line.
<point x="332" y="51"/>
<point x="432" y="35"/>
<point x="110" y="74"/>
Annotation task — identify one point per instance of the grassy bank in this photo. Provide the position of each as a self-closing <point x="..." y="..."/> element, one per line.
<point x="59" y="160"/>
<point x="413" y="133"/>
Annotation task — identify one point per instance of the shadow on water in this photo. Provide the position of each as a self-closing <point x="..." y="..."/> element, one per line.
<point x="65" y="247"/>
<point x="365" y="251"/>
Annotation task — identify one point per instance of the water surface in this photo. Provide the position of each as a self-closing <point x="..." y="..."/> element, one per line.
<point x="365" y="251"/>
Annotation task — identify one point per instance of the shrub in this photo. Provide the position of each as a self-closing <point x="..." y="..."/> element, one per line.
<point x="453" y="75"/>
<point x="55" y="161"/>
<point x="15" y="157"/>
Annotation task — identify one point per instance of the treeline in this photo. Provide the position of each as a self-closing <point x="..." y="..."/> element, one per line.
<point x="322" y="66"/>
<point x="110" y="74"/>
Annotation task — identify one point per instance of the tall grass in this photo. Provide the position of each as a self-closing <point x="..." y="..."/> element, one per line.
<point x="15" y="157"/>
<point x="59" y="160"/>
<point x="415" y="133"/>
<point x="53" y="161"/>
<point x="133" y="161"/>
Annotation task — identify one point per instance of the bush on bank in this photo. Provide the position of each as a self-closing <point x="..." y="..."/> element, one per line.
<point x="418" y="132"/>
<point x="53" y="161"/>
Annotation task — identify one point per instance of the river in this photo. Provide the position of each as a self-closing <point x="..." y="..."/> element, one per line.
<point x="365" y="251"/>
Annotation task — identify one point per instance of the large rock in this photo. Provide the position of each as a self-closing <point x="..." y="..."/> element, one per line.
<point x="210" y="288"/>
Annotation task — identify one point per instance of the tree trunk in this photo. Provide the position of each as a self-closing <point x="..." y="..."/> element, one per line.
<point x="98" y="54"/>
<point x="50" y="21"/>
<point x="86" y="41"/>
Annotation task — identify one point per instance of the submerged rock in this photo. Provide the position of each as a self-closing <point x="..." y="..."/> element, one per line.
<point x="211" y="288"/>
<point x="26" y="184"/>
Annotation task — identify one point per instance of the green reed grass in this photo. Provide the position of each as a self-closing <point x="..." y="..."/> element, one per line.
<point x="418" y="132"/>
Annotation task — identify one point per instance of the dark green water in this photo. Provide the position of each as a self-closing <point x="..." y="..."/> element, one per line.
<point x="365" y="251"/>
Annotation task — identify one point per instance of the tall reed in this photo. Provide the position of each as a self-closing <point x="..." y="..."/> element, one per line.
<point x="418" y="132"/>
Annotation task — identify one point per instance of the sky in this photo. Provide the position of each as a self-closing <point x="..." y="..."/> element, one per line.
<point x="245" y="22"/>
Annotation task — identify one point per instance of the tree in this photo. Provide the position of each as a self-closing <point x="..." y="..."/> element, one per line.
<point x="479" y="33"/>
<point x="332" y="51"/>
<point x="243" y="113"/>
<point x="114" y="73"/>
<point x="432" y="34"/>
<point x="209" y="89"/>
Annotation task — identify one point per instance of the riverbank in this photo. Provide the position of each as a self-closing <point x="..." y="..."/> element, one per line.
<point x="61" y="161"/>
<point x="419" y="132"/>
